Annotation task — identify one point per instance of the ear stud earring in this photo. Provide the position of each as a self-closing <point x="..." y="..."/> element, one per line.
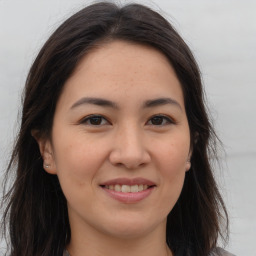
<point x="46" y="165"/>
<point x="188" y="165"/>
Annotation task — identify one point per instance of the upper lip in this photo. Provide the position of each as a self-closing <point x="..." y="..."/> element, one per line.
<point x="128" y="181"/>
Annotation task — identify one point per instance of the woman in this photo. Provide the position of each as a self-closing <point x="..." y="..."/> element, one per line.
<point x="113" y="154"/>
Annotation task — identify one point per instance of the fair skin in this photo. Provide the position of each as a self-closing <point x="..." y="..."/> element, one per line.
<point x="120" y="119"/>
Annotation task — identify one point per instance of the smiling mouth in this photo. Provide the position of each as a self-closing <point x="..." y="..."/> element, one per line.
<point x="127" y="188"/>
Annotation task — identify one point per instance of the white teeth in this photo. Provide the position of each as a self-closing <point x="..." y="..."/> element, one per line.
<point x="135" y="188"/>
<point x="117" y="188"/>
<point x="127" y="188"/>
<point x="145" y="187"/>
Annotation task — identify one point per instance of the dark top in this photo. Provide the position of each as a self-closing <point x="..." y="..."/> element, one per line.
<point x="216" y="252"/>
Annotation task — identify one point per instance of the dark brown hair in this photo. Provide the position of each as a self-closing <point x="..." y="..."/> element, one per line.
<point x="36" y="209"/>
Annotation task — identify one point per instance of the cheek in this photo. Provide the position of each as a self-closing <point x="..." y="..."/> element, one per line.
<point x="78" y="159"/>
<point x="172" y="180"/>
<point x="172" y="155"/>
<point x="77" y="164"/>
<point x="171" y="163"/>
<point x="173" y="169"/>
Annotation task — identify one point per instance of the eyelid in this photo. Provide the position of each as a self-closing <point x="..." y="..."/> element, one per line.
<point x="87" y="118"/>
<point x="169" y="119"/>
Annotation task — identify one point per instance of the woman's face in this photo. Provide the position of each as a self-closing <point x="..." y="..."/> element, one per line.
<point x="120" y="141"/>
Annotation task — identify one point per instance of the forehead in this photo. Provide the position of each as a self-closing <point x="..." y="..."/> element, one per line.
<point x="123" y="54"/>
<point x="121" y="67"/>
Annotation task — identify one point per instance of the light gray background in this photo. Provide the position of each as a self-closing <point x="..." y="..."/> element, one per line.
<point x="222" y="35"/>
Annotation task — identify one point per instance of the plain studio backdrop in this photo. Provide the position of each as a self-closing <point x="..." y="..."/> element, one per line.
<point x="222" y="35"/>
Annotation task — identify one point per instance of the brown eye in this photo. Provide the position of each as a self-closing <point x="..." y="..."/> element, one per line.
<point x="160" y="120"/>
<point x="94" y="120"/>
<point x="157" y="120"/>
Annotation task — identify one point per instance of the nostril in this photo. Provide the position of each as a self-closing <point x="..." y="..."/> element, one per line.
<point x="129" y="158"/>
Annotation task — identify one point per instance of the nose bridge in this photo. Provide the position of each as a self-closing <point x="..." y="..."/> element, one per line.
<point x="129" y="147"/>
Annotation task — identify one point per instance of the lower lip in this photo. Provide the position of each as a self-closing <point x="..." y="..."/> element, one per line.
<point x="128" y="197"/>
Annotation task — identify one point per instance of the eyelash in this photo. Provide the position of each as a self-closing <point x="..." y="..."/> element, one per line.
<point x="165" y="118"/>
<point x="91" y="117"/>
<point x="99" y="118"/>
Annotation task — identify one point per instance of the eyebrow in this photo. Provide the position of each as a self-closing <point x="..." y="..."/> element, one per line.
<point x="94" y="101"/>
<point x="111" y="104"/>
<point x="160" y="102"/>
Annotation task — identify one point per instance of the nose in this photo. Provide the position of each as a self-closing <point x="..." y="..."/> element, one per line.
<point x="129" y="149"/>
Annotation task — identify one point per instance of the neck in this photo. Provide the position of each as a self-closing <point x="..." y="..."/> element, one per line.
<point x="92" y="243"/>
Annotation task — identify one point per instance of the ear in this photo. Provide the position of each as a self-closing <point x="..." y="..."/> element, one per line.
<point x="46" y="150"/>
<point x="188" y="163"/>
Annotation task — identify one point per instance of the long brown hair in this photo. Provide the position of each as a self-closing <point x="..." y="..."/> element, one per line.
<point x="35" y="213"/>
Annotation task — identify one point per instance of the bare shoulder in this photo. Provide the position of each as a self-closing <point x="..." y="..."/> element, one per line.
<point x="220" y="252"/>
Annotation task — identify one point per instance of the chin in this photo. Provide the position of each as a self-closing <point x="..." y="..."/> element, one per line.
<point x="128" y="232"/>
<point x="131" y="227"/>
